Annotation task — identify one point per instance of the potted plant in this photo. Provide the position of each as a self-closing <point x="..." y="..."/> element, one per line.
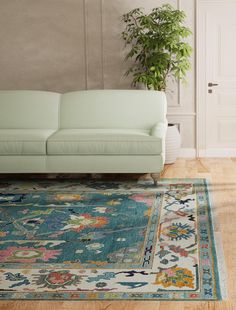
<point x="159" y="49"/>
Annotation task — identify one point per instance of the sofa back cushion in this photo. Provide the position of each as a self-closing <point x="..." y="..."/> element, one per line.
<point x="21" y="109"/>
<point x="112" y="109"/>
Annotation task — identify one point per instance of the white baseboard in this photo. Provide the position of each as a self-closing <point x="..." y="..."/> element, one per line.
<point x="187" y="152"/>
<point x="213" y="152"/>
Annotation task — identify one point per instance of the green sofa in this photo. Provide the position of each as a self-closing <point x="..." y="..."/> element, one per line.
<point x="95" y="131"/>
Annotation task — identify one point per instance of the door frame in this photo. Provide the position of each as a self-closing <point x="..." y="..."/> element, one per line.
<point x="201" y="82"/>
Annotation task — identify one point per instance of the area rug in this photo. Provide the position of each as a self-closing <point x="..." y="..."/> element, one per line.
<point x="74" y="240"/>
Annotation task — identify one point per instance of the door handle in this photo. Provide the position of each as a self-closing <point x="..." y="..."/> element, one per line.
<point x="212" y="84"/>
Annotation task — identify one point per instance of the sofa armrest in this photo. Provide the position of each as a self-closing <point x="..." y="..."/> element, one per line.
<point x="159" y="130"/>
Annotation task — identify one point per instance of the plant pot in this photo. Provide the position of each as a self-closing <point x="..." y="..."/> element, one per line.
<point x="173" y="142"/>
<point x="141" y="86"/>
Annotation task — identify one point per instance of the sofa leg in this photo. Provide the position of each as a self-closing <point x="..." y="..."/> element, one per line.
<point x="155" y="177"/>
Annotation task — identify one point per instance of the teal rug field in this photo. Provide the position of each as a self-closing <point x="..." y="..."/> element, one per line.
<point x="96" y="240"/>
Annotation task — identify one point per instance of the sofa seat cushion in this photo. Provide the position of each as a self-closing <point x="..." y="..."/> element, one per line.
<point x="24" y="141"/>
<point x="103" y="142"/>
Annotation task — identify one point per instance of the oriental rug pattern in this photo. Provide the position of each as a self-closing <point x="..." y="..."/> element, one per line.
<point x="107" y="240"/>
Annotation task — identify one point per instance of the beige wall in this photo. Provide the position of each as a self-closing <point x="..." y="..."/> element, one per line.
<point x="65" y="45"/>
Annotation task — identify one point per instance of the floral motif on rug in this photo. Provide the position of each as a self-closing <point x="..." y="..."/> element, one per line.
<point x="107" y="240"/>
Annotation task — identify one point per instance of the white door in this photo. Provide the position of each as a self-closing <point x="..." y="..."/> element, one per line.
<point x="218" y="74"/>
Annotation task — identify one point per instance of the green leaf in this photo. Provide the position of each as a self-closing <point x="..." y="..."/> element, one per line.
<point x="158" y="45"/>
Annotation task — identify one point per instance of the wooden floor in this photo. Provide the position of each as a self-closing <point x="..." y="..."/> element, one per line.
<point x="222" y="173"/>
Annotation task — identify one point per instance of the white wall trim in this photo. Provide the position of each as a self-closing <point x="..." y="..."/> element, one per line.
<point x="187" y="152"/>
<point x="181" y="114"/>
<point x="227" y="152"/>
<point x="212" y="152"/>
<point x="200" y="78"/>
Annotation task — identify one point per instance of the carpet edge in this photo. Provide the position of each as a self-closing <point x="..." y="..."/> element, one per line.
<point x="220" y="258"/>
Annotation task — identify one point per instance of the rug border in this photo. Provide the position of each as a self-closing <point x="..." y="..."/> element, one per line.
<point x="217" y="251"/>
